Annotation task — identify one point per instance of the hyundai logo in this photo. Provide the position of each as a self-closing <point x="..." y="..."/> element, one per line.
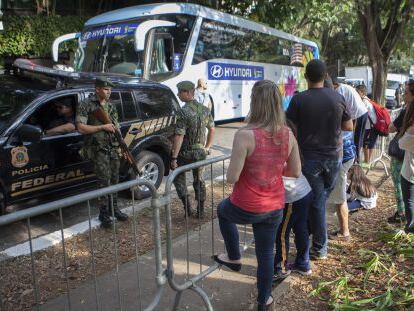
<point x="87" y="35"/>
<point x="216" y="71"/>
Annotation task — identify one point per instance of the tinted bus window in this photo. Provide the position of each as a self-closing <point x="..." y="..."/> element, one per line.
<point x="219" y="40"/>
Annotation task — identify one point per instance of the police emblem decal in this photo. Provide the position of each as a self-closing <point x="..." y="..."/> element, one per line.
<point x="19" y="156"/>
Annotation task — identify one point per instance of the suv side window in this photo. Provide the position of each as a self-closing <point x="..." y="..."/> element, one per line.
<point x="125" y="106"/>
<point x="116" y="101"/>
<point x="155" y="103"/>
<point x="129" y="107"/>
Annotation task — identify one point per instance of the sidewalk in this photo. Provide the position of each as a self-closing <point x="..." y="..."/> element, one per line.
<point x="227" y="290"/>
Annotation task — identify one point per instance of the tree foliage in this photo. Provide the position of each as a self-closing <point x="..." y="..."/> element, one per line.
<point x="382" y="23"/>
<point x="34" y="35"/>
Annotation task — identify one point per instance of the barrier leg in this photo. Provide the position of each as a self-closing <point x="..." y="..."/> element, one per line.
<point x="203" y="296"/>
<point x="177" y="300"/>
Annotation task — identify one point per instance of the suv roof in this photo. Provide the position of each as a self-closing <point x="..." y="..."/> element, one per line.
<point x="36" y="84"/>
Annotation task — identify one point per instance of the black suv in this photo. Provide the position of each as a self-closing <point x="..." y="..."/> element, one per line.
<point x="36" y="165"/>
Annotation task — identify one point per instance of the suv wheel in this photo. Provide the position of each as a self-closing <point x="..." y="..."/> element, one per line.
<point x="151" y="167"/>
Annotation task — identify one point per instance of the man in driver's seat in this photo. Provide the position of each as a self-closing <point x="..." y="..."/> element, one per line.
<point x="65" y="123"/>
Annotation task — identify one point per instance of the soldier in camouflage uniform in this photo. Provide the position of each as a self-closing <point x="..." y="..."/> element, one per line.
<point x="190" y="145"/>
<point x="101" y="146"/>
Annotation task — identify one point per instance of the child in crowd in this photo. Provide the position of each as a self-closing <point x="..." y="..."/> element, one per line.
<point x="362" y="194"/>
<point x="298" y="198"/>
<point x="371" y="135"/>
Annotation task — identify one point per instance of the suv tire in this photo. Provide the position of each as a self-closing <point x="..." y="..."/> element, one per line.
<point x="151" y="166"/>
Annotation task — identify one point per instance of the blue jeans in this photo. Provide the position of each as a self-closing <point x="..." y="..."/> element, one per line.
<point x="265" y="227"/>
<point x="408" y="196"/>
<point x="295" y="215"/>
<point x="359" y="132"/>
<point x="321" y="175"/>
<point x="354" y="205"/>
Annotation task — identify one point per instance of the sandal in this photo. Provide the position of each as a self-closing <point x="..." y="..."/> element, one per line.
<point x="340" y="237"/>
<point x="233" y="266"/>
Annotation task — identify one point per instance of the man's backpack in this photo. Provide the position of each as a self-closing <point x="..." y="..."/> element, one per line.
<point x="383" y="119"/>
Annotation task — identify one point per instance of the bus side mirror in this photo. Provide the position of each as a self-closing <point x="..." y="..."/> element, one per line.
<point x="144" y="28"/>
<point x="29" y="133"/>
<point x="59" y="40"/>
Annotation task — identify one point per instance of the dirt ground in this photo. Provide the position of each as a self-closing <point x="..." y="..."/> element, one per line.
<point x="371" y="272"/>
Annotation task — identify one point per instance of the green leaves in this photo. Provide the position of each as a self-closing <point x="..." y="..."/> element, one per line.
<point x="34" y="35"/>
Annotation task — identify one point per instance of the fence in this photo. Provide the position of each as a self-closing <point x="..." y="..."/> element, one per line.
<point x="46" y="264"/>
<point x="380" y="151"/>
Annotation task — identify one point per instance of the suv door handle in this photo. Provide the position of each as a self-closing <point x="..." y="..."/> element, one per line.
<point x="75" y="145"/>
<point x="135" y="131"/>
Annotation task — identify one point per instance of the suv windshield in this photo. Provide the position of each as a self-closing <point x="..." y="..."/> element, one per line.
<point x="110" y="48"/>
<point x="11" y="104"/>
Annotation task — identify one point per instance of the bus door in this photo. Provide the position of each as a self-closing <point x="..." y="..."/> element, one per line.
<point x="227" y="97"/>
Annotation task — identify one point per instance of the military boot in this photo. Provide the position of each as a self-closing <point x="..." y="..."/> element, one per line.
<point x="117" y="212"/>
<point x="187" y="206"/>
<point x="200" y="210"/>
<point x="104" y="218"/>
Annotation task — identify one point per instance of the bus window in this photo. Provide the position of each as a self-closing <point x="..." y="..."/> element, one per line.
<point x="161" y="57"/>
<point x="110" y="48"/>
<point x="219" y="40"/>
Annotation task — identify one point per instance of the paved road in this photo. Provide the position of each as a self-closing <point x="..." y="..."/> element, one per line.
<point x="18" y="232"/>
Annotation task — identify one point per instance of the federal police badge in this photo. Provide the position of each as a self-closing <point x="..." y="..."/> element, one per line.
<point x="19" y="156"/>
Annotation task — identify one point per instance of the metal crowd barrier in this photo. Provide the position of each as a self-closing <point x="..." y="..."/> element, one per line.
<point x="380" y="151"/>
<point x="27" y="215"/>
<point x="196" y="253"/>
<point x="191" y="282"/>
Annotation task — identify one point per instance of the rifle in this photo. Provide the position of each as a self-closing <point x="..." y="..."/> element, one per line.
<point x="102" y="116"/>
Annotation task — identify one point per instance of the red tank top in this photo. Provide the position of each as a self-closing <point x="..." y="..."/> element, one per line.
<point x="260" y="185"/>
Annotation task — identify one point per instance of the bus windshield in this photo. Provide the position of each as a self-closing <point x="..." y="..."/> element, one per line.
<point x="110" y="48"/>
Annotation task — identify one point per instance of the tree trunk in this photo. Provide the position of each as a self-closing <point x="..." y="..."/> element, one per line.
<point x="381" y="41"/>
<point x="379" y="78"/>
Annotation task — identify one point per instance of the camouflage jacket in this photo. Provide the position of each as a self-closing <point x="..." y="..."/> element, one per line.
<point x="193" y="120"/>
<point x="100" y="139"/>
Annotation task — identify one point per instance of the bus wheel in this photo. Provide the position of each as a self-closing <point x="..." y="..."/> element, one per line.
<point x="2" y="203"/>
<point x="151" y="168"/>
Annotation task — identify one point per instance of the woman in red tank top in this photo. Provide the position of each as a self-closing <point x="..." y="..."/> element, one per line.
<point x="262" y="152"/>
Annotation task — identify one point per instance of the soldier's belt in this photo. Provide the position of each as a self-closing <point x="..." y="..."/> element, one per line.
<point x="195" y="147"/>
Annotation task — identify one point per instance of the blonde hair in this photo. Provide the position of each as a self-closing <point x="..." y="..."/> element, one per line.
<point x="266" y="107"/>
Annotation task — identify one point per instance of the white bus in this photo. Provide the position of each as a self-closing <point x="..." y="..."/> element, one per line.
<point x="172" y="42"/>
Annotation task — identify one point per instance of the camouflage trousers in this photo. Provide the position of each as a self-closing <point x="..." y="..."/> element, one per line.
<point x="199" y="185"/>
<point x="106" y="167"/>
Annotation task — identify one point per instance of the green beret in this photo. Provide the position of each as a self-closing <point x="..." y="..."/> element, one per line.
<point x="185" y="86"/>
<point x="103" y="82"/>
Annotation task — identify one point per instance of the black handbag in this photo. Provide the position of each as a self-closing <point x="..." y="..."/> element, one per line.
<point x="394" y="150"/>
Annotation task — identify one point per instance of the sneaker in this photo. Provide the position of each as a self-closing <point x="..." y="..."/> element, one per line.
<point x="280" y="275"/>
<point x="315" y="257"/>
<point x="409" y="230"/>
<point x="365" y="165"/>
<point x="339" y="237"/>
<point x="295" y="268"/>
<point x="396" y="218"/>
